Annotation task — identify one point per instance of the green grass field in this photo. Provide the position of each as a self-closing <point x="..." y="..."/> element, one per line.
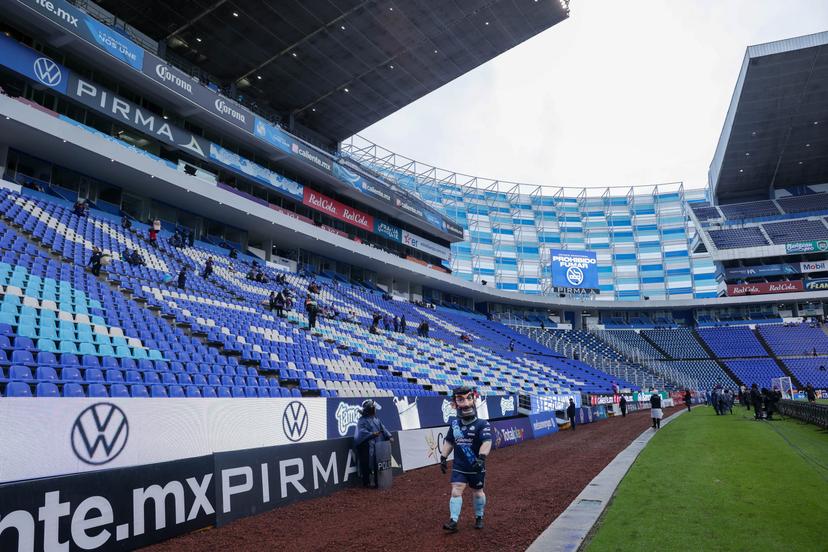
<point x="708" y="482"/>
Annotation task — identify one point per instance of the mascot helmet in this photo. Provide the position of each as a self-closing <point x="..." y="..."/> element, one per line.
<point x="468" y="412"/>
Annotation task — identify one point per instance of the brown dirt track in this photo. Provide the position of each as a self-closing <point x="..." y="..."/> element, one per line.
<point x="527" y="486"/>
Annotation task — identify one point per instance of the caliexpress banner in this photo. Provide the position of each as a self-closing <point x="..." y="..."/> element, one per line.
<point x="117" y="509"/>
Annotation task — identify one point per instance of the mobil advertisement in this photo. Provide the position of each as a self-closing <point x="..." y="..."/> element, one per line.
<point x="93" y="31"/>
<point x="344" y="414"/>
<point x="33" y="65"/>
<point x="737" y="290"/>
<point x="816" y="284"/>
<point x="337" y="210"/>
<point x="813" y="266"/>
<point x="543" y="424"/>
<point x="511" y="432"/>
<point x="763" y="270"/>
<point x="574" y="269"/>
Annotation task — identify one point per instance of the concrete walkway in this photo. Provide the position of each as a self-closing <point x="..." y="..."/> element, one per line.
<point x="568" y="531"/>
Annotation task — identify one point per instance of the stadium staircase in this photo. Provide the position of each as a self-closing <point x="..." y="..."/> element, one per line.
<point x="655" y="345"/>
<point x="716" y="359"/>
<point x="777" y="360"/>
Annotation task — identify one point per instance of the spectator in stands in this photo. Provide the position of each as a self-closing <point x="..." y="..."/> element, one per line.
<point x="614" y="388"/>
<point x="351" y="317"/>
<point x="369" y="429"/>
<point x="623" y="405"/>
<point x="313" y="287"/>
<point x="756" y="401"/>
<point x="422" y="329"/>
<point x="810" y="393"/>
<point x="512" y="345"/>
<point x="79" y="209"/>
<point x="153" y="237"/>
<point x="543" y="326"/>
<point x="126" y="223"/>
<point x="466" y="338"/>
<point x="234" y="254"/>
<point x="271" y="301"/>
<point x="312" y="309"/>
<point x="373" y="329"/>
<point x="403" y="324"/>
<point x="570" y="413"/>
<point x="208" y="268"/>
<point x="375" y="319"/>
<point x="655" y="410"/>
<point x="175" y="241"/>
<point x="95" y="261"/>
<point x="396" y="323"/>
<point x="191" y="238"/>
<point x="688" y="399"/>
<point x="182" y="277"/>
<point x="386" y="323"/>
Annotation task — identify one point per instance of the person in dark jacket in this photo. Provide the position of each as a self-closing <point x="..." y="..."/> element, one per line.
<point x="182" y="278"/>
<point x="95" y="261"/>
<point x="369" y="429"/>
<point x="756" y="401"/>
<point x="688" y="398"/>
<point x="208" y="268"/>
<point x="655" y="410"/>
<point x="403" y="324"/>
<point x="810" y="393"/>
<point x="570" y="413"/>
<point x="623" y="404"/>
<point x="312" y="309"/>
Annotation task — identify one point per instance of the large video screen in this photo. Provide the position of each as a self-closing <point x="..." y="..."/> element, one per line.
<point x="574" y="269"/>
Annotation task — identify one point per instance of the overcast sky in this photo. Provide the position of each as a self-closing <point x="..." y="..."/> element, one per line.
<point x="622" y="93"/>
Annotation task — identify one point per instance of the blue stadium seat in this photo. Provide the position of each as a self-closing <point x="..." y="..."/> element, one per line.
<point x="20" y="373"/>
<point x="47" y="389"/>
<point x="73" y="390"/>
<point x="118" y="390"/>
<point x="18" y="389"/>
<point x="97" y="390"/>
<point x="139" y="391"/>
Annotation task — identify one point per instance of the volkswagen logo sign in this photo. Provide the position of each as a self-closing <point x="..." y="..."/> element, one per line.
<point x="100" y="434"/>
<point x="574" y="275"/>
<point x="47" y="72"/>
<point x="295" y="421"/>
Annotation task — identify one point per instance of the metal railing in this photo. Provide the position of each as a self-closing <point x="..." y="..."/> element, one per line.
<point x="812" y="413"/>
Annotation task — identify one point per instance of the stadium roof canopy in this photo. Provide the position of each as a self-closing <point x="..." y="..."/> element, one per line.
<point x="338" y="66"/>
<point x="776" y="129"/>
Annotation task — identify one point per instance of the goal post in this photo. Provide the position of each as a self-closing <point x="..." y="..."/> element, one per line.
<point x="784" y="385"/>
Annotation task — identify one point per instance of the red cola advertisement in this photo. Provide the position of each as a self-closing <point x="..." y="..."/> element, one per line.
<point x="738" y="290"/>
<point x="337" y="210"/>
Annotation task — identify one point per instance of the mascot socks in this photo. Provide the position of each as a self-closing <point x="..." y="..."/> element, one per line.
<point x="455" y="504"/>
<point x="479" y="504"/>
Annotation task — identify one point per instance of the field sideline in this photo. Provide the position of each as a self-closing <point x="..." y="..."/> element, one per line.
<point x="708" y="482"/>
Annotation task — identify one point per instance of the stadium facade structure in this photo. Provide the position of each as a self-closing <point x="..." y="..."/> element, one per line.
<point x="641" y="234"/>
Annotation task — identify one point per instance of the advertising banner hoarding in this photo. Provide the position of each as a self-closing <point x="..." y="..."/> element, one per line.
<point x="117" y="509"/>
<point x="543" y="424"/>
<point x="511" y="432"/>
<point x="257" y="480"/>
<point x="763" y="270"/>
<point x="91" y="30"/>
<point x="813" y="266"/>
<point x="816" y="284"/>
<point x="574" y="269"/>
<point x="807" y="247"/>
<point x="421" y="447"/>
<point x="33" y="65"/>
<point x="762" y="288"/>
<point x="337" y="210"/>
<point x="344" y="414"/>
<point x="427" y="246"/>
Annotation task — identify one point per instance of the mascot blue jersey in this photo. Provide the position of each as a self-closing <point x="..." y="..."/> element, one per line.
<point x="467" y="440"/>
